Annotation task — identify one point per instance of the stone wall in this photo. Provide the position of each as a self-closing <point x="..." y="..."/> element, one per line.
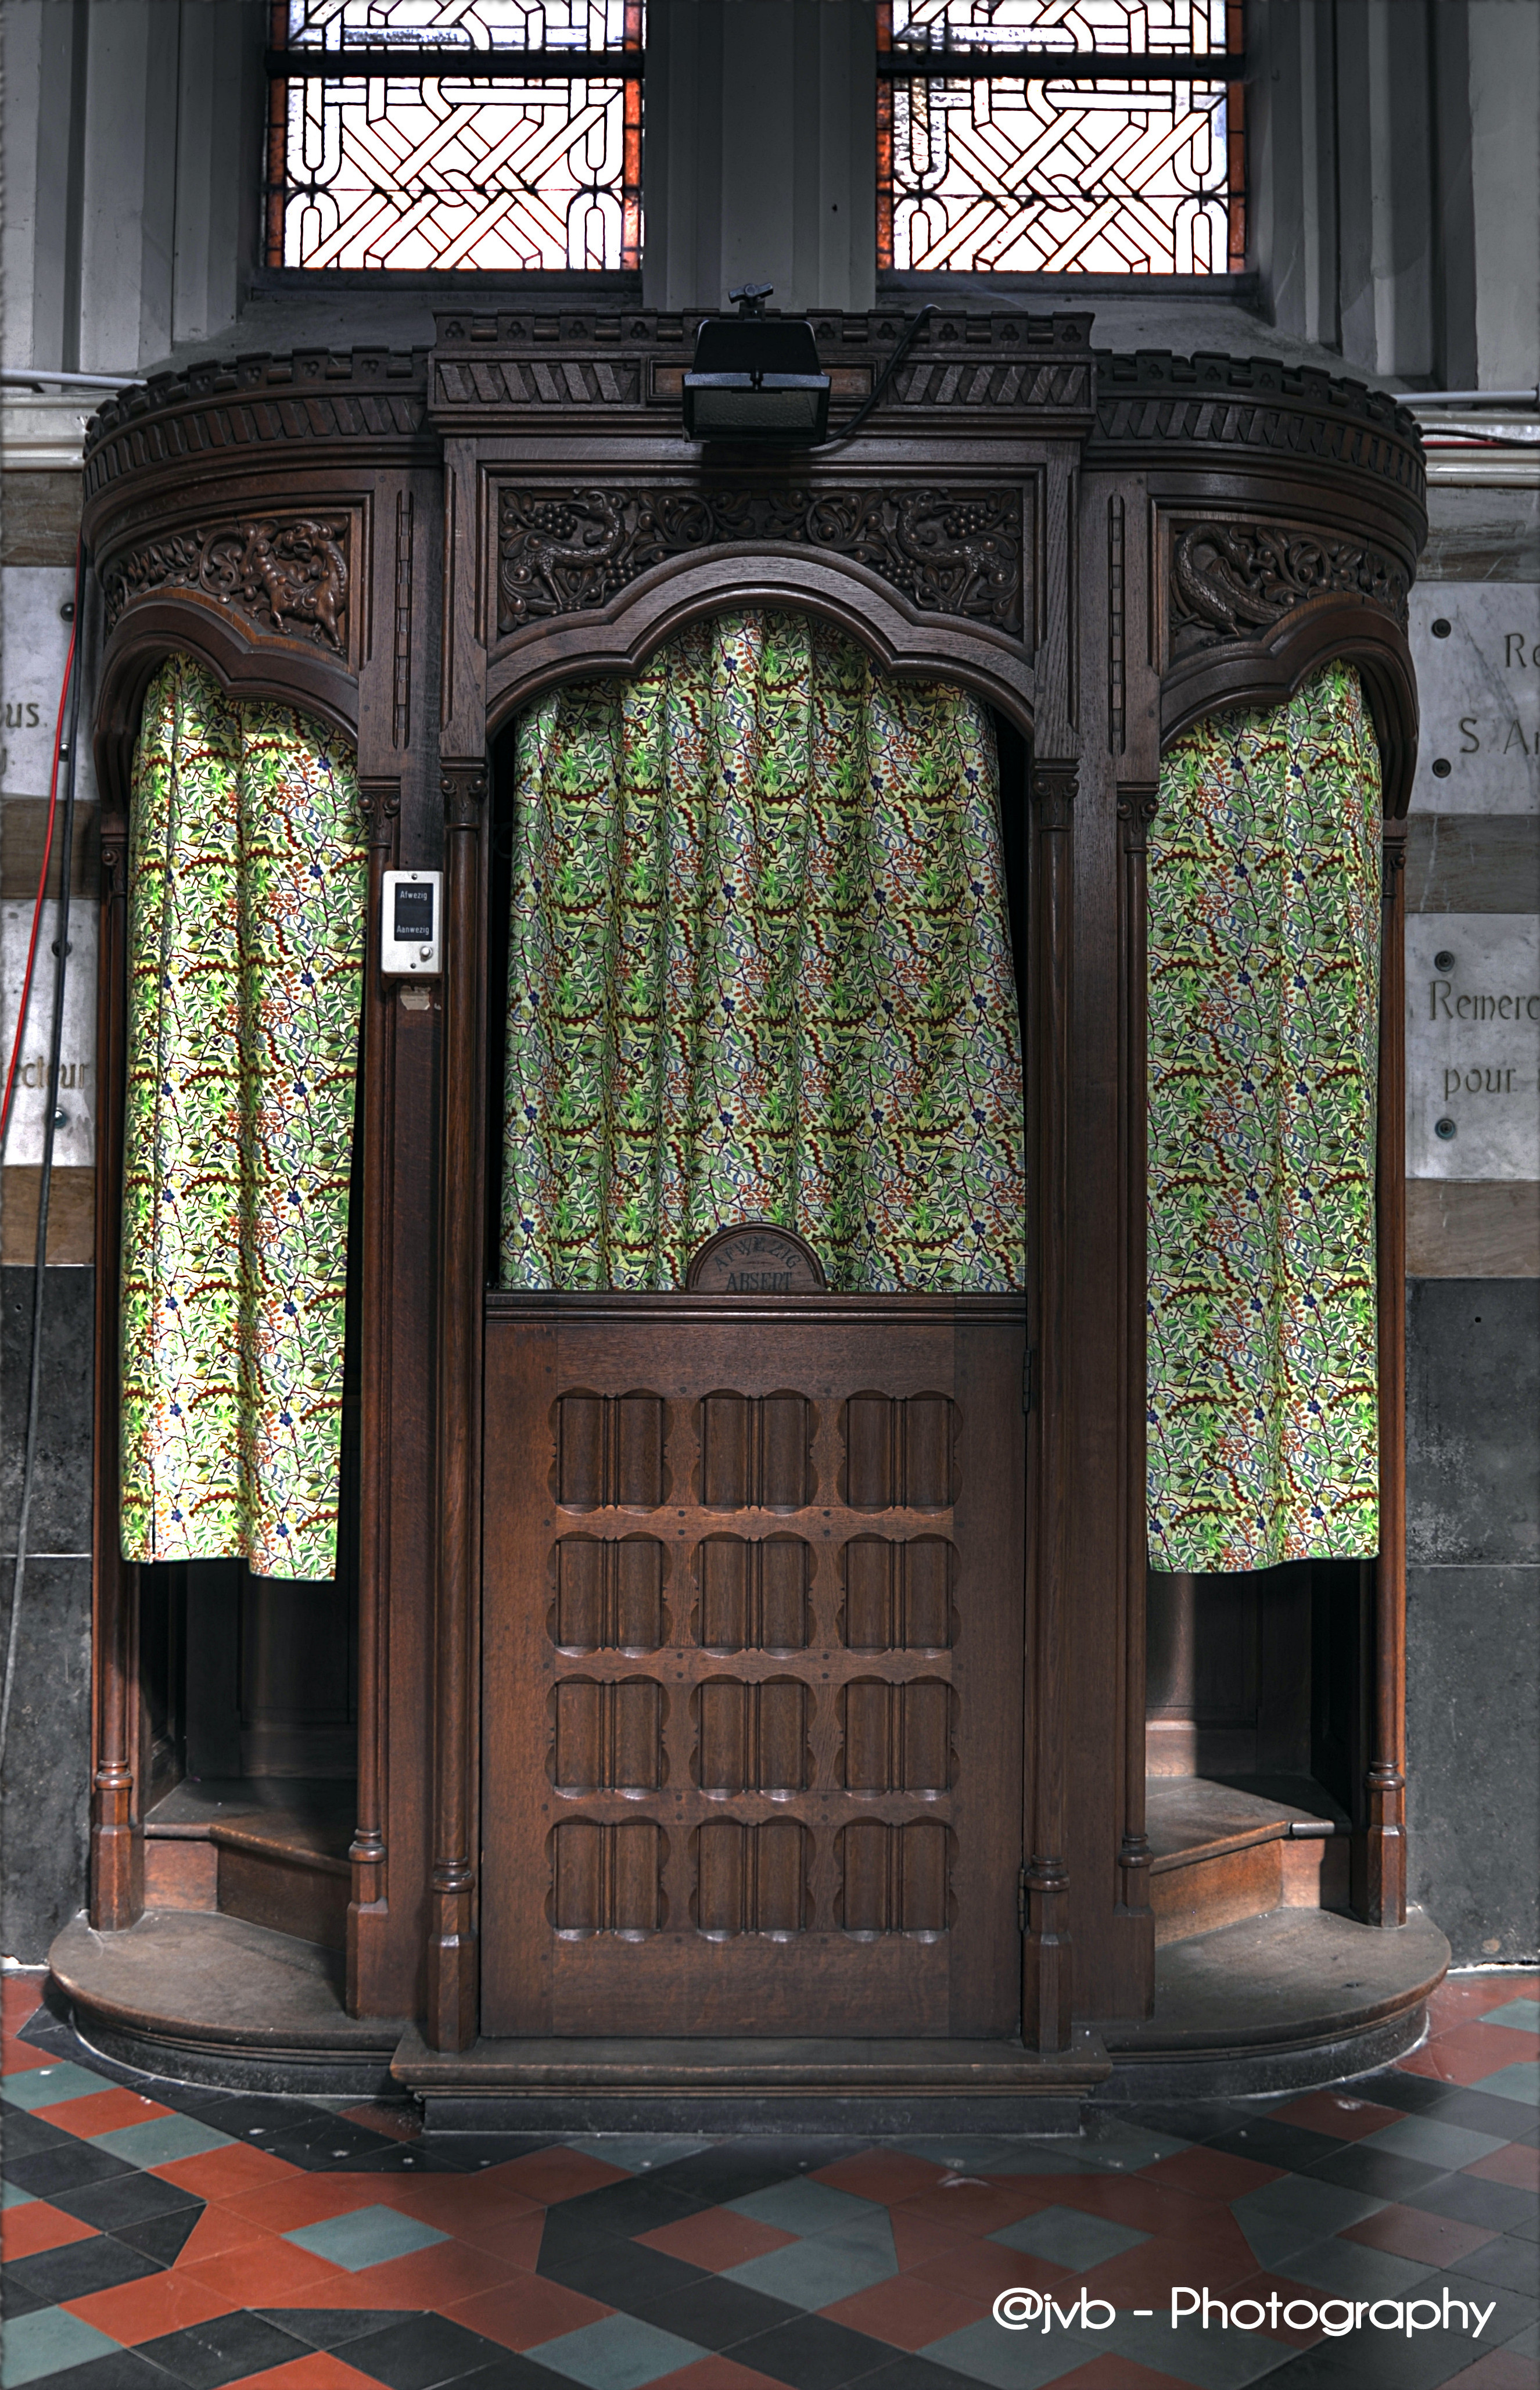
<point x="1473" y="1159"/>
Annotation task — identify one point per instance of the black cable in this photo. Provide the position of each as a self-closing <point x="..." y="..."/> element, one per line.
<point x="880" y="384"/>
<point x="56" y="1045"/>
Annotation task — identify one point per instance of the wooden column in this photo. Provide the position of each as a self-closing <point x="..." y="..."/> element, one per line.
<point x="452" y="1964"/>
<point x="1385" y="1852"/>
<point x="117" y="1873"/>
<point x="1047" y="1963"/>
<point x="381" y="801"/>
<point x="1136" y="809"/>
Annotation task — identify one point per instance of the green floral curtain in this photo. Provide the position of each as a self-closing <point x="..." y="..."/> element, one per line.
<point x="760" y="967"/>
<point x="246" y="885"/>
<point x="1264" y="1025"/>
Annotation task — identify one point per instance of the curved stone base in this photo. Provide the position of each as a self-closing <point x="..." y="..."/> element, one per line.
<point x="1284" y="2002"/>
<point x="208" y="1999"/>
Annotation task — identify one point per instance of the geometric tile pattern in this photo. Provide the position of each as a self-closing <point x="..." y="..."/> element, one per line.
<point x="160" y="2236"/>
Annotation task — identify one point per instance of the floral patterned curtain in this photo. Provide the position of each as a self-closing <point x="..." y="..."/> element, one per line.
<point x="760" y="967"/>
<point x="1263" y="1026"/>
<point x="246" y="885"/>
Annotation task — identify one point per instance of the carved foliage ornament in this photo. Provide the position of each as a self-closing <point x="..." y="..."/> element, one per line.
<point x="291" y="576"/>
<point x="1229" y="581"/>
<point x="950" y="551"/>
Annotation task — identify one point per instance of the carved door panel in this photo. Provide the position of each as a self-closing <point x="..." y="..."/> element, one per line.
<point x="752" y="1648"/>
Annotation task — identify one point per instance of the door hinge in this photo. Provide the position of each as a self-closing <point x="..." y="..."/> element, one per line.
<point x="1022" y="1901"/>
<point x="1027" y="1395"/>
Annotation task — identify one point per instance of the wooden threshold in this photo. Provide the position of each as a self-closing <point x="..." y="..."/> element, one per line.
<point x="849" y="2068"/>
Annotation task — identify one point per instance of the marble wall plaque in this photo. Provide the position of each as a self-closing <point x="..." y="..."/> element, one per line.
<point x="75" y="1138"/>
<point x="35" y="640"/>
<point x="1479" y="691"/>
<point x="1473" y="1046"/>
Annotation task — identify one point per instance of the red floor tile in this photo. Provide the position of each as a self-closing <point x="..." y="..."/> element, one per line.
<point x="1460" y="1997"/>
<point x="1467" y="2051"/>
<point x="1335" y="2113"/>
<point x="460" y="2203"/>
<point x="155" y="2304"/>
<point x="1138" y="2200"/>
<point x="511" y="2235"/>
<point x="21" y="1998"/>
<point x="715" y="2239"/>
<point x="1413" y="2233"/>
<point x="218" y="2231"/>
<point x="319" y="2371"/>
<point x="906" y="2313"/>
<point x="387" y="2116"/>
<point x="961" y="2205"/>
<point x="28" y="2232"/>
<point x="439" y="2277"/>
<point x="715" y="2373"/>
<point x="557" y="2174"/>
<point x="1260" y="2287"/>
<point x="886" y="2175"/>
<point x="107" y="2110"/>
<point x="1516" y="2164"/>
<point x="1145" y="2277"/>
<point x="1498" y="2370"/>
<point x="225" y="2173"/>
<point x="525" y="2310"/>
<point x="1210" y="2174"/>
<point x="919" y="2242"/>
<point x="20" y="2057"/>
<point x="1117" y="2374"/>
<point x="298" y="2198"/>
<point x="982" y="2269"/>
<point x="273" y="2273"/>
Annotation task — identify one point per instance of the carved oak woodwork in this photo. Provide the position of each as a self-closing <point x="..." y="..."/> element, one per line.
<point x="285" y="576"/>
<point x="696" y="1789"/>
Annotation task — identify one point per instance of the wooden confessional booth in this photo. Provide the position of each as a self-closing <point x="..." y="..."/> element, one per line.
<point x="728" y="1702"/>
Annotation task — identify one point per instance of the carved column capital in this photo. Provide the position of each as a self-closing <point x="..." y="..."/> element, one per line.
<point x="1054" y="787"/>
<point x="379" y="803"/>
<point x="113" y="852"/>
<point x="463" y="788"/>
<point x="1136" y="809"/>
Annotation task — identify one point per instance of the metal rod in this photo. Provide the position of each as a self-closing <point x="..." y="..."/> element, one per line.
<point x="375" y="64"/>
<point x="34" y="377"/>
<point x="1465" y="397"/>
<point x="1065" y="66"/>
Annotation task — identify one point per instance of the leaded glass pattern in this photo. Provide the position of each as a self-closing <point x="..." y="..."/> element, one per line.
<point x="441" y="171"/>
<point x="1011" y="174"/>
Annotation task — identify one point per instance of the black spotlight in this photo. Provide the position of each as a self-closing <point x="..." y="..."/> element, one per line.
<point x="756" y="378"/>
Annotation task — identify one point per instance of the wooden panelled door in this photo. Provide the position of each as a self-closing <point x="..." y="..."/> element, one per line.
<point x="752" y="1638"/>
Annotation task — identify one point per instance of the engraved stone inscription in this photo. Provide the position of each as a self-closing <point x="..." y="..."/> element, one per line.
<point x="1477" y="649"/>
<point x="1473" y="1046"/>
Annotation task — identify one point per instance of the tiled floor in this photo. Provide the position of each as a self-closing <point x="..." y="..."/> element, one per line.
<point x="191" y="2240"/>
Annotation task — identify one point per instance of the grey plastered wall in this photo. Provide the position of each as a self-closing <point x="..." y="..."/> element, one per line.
<point x="1473" y="1314"/>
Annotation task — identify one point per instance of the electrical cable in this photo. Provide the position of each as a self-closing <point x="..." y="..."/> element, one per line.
<point x="906" y="340"/>
<point x="42" y="877"/>
<point x="56" y="1043"/>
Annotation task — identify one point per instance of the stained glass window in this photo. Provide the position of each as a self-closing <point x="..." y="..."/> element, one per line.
<point x="498" y="134"/>
<point x="993" y="159"/>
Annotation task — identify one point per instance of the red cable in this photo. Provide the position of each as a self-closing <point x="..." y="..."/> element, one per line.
<point x="42" y="882"/>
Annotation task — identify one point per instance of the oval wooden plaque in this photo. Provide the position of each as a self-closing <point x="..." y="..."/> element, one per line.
<point x="755" y="1258"/>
